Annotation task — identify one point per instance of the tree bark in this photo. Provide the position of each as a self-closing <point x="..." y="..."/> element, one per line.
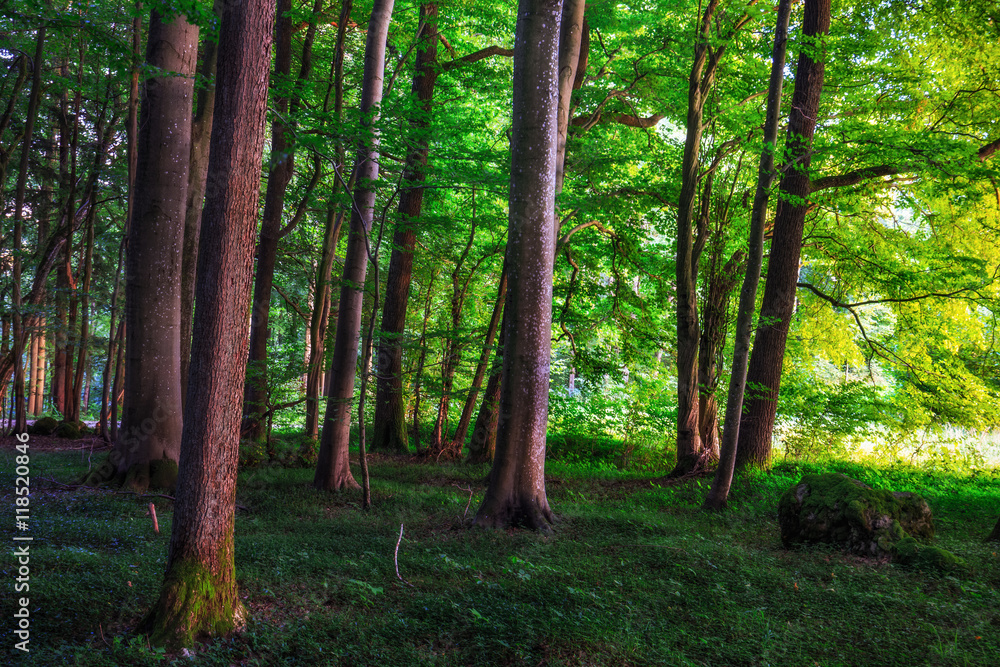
<point x="201" y="134"/>
<point x="333" y="469"/>
<point x="778" y="305"/>
<point x="571" y="56"/>
<point x="691" y="453"/>
<point x="719" y="492"/>
<point x="280" y="174"/>
<point x="390" y="421"/>
<point x="320" y="318"/>
<point x="483" y="444"/>
<point x="20" y="408"/>
<point x="199" y="594"/>
<point x="516" y="491"/>
<point x="458" y="441"/>
<point x="151" y="419"/>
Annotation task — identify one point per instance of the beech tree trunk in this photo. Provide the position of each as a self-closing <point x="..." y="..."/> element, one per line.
<point x="516" y="491"/>
<point x="199" y="594"/>
<point x="333" y="468"/>
<point x="719" y="492"/>
<point x="201" y="134"/>
<point x="778" y="305"/>
<point x="151" y="419"/>
<point x="571" y="57"/>
<point x="483" y="444"/>
<point x="390" y="422"/>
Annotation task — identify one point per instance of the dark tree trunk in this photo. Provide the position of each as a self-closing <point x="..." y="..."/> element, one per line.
<point x="320" y="320"/>
<point x="151" y="419"/>
<point x="201" y="134"/>
<point x="282" y="165"/>
<point x="333" y="470"/>
<point x="17" y="330"/>
<point x="199" y="594"/>
<point x="571" y="56"/>
<point x="482" y="446"/>
<point x="719" y="493"/>
<point x="516" y="491"/>
<point x="418" y="373"/>
<point x="458" y="441"/>
<point x="390" y="422"/>
<point x="778" y="305"/>
<point x="691" y="452"/>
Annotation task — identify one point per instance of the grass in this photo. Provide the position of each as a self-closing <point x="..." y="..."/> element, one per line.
<point x="634" y="574"/>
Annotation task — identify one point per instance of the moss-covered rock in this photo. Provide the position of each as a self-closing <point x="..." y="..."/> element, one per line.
<point x="910" y="552"/>
<point x="70" y="430"/>
<point x="836" y="509"/>
<point x="44" y="426"/>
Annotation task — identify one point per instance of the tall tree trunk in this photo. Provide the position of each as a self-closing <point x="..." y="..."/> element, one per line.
<point x="20" y="411"/>
<point x="516" y="491"/>
<point x="117" y="387"/>
<point x="390" y="421"/>
<point x="778" y="305"/>
<point x="320" y="318"/>
<point x="719" y="492"/>
<point x="333" y="470"/>
<point x="201" y="134"/>
<point x="199" y="594"/>
<point x="482" y="446"/>
<point x="62" y="279"/>
<point x="151" y="419"/>
<point x="419" y="371"/>
<point x="691" y="453"/>
<point x="484" y="362"/>
<point x="453" y="344"/>
<point x="571" y="56"/>
<point x="280" y="175"/>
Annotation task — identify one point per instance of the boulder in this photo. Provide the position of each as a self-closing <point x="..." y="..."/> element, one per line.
<point x="69" y="430"/>
<point x="836" y="509"/>
<point x="44" y="426"/>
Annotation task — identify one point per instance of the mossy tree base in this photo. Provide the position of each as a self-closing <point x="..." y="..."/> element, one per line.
<point x="193" y="605"/>
<point x="516" y="512"/>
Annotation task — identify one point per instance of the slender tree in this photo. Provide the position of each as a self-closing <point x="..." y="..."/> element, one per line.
<point x="719" y="491"/>
<point x="199" y="594"/>
<point x="516" y="491"/>
<point x="390" y="424"/>
<point x="151" y="420"/>
<point x="333" y="469"/>
<point x="778" y="304"/>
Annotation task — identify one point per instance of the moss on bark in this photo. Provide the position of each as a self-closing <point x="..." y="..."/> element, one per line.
<point x="193" y="605"/>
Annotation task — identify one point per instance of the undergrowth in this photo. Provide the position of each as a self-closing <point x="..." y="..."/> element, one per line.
<point x="633" y="574"/>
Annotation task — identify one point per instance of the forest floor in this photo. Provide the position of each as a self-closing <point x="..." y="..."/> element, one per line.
<point x="633" y="573"/>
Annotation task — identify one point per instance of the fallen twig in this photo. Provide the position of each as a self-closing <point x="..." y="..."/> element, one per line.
<point x="395" y="557"/>
<point x="152" y="512"/>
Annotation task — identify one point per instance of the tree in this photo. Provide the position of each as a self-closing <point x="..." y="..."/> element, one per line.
<point x="151" y="419"/>
<point x="333" y="469"/>
<point x="390" y="423"/>
<point x="755" y="254"/>
<point x="778" y="304"/>
<point x="199" y="594"/>
<point x="515" y="494"/>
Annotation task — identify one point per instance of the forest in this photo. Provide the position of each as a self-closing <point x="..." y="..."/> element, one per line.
<point x="471" y="332"/>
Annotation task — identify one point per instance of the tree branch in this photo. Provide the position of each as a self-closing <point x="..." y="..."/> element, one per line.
<point x="476" y="56"/>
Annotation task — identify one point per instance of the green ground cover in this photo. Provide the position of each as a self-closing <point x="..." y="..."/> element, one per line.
<point x="633" y="574"/>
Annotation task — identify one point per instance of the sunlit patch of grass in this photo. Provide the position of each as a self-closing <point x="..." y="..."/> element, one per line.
<point x="634" y="573"/>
